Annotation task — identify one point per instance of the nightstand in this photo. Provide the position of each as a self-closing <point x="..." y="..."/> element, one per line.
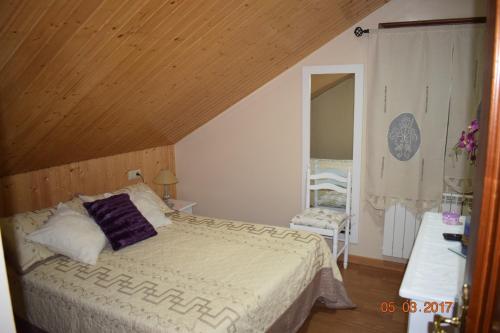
<point x="183" y="206"/>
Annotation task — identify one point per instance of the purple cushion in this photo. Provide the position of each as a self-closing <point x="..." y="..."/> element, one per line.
<point x="120" y="220"/>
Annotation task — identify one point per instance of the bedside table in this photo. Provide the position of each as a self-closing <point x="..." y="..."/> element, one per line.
<point x="183" y="206"/>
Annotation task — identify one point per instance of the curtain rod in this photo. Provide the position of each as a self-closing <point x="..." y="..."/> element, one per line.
<point x="358" y="31"/>
<point x="464" y="20"/>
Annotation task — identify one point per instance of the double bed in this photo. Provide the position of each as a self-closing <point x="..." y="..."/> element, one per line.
<point x="198" y="275"/>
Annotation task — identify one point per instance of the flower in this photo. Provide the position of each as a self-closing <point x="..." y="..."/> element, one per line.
<point x="470" y="144"/>
<point x="462" y="141"/>
<point x="468" y="141"/>
<point x="474" y="126"/>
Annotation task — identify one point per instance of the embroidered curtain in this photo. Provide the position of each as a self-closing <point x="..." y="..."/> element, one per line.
<point x="424" y="89"/>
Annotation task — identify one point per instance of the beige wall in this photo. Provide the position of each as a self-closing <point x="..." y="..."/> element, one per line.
<point x="332" y="121"/>
<point x="246" y="163"/>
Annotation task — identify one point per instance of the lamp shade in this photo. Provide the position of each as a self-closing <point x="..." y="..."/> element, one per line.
<point x="165" y="177"/>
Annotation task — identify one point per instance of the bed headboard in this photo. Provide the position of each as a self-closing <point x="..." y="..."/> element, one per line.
<point x="46" y="187"/>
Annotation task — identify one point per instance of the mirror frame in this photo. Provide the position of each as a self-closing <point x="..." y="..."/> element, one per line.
<point x="358" y="71"/>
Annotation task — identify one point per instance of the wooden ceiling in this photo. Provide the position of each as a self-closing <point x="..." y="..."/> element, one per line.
<point x="82" y="79"/>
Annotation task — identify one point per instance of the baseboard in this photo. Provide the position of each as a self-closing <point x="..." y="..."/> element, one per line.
<point x="378" y="263"/>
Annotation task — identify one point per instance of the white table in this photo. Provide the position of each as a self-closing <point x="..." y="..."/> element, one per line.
<point x="183" y="206"/>
<point x="434" y="273"/>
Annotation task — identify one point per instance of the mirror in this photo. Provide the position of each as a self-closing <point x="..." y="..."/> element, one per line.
<point x="332" y="117"/>
<point x="332" y="129"/>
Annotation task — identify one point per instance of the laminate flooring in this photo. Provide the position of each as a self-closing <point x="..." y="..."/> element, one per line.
<point x="368" y="287"/>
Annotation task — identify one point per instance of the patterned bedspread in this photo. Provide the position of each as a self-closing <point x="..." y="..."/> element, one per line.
<point x="198" y="275"/>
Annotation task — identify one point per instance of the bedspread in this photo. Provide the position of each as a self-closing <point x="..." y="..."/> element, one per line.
<point x="199" y="275"/>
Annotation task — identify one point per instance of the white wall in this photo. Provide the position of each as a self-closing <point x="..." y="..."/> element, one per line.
<point x="246" y="163"/>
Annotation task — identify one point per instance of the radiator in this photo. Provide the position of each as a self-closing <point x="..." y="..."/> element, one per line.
<point x="401" y="225"/>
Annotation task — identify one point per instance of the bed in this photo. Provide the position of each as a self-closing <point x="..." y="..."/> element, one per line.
<point x="198" y="275"/>
<point x="329" y="199"/>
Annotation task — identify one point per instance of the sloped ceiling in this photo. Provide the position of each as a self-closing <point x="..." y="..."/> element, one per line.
<point x="91" y="78"/>
<point x="320" y="83"/>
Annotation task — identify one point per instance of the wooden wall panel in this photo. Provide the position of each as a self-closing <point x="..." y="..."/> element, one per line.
<point x="105" y="77"/>
<point x="47" y="187"/>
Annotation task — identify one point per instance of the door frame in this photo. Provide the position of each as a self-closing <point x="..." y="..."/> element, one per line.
<point x="358" y="71"/>
<point x="6" y="312"/>
<point x="483" y="261"/>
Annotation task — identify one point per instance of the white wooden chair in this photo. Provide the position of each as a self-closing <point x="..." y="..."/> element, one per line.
<point x="326" y="221"/>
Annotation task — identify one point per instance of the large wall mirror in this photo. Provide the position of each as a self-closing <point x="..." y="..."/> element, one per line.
<point x="332" y="129"/>
<point x="332" y="116"/>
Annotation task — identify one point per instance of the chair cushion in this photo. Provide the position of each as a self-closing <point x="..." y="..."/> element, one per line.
<point x="331" y="199"/>
<point x="320" y="218"/>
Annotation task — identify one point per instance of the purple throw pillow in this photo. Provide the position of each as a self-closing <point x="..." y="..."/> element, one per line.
<point x="120" y="220"/>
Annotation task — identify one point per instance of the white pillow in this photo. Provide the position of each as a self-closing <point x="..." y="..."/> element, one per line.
<point x="72" y="234"/>
<point x="146" y="201"/>
<point x="90" y="198"/>
<point x="149" y="209"/>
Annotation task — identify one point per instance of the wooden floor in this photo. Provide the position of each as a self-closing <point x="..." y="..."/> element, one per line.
<point x="368" y="287"/>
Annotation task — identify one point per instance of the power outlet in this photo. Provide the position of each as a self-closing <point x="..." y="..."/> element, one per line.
<point x="134" y="174"/>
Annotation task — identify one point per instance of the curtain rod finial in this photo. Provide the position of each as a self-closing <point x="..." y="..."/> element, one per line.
<point x="358" y="31"/>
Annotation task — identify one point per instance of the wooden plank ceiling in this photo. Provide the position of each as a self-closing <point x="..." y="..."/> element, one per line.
<point x="82" y="79"/>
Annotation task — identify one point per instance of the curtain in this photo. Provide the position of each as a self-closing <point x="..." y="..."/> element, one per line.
<point x="424" y="89"/>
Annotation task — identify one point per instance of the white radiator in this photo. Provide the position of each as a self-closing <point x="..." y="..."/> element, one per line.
<point x="400" y="230"/>
<point x="401" y="225"/>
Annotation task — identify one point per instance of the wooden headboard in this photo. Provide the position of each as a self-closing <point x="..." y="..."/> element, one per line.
<point x="47" y="187"/>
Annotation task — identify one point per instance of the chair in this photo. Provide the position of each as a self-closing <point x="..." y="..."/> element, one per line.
<point x="327" y="221"/>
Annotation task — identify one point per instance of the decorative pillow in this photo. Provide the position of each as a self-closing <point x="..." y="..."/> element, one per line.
<point x="21" y="252"/>
<point x="149" y="209"/>
<point x="90" y="198"/>
<point x="146" y="192"/>
<point x="72" y="234"/>
<point x="145" y="199"/>
<point x="120" y="220"/>
<point x="320" y="218"/>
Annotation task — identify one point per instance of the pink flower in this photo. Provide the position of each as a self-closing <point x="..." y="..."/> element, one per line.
<point x="470" y="146"/>
<point x="462" y="142"/>
<point x="474" y="126"/>
<point x="467" y="141"/>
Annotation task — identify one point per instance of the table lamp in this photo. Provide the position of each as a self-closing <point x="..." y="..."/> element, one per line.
<point x="165" y="177"/>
